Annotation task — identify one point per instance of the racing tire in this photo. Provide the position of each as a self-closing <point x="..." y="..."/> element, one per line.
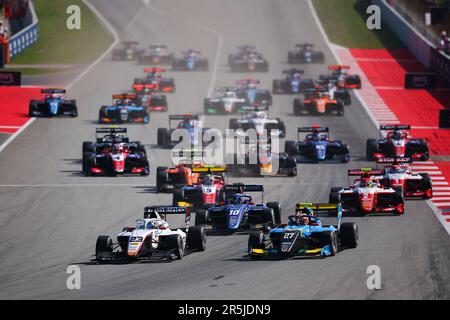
<point x="178" y="196"/>
<point x="330" y="238"/>
<point x="290" y="147"/>
<point x="103" y="244"/>
<point x="371" y="148"/>
<point x="334" y="197"/>
<point x="298" y="106"/>
<point x="346" y="158"/>
<point x="161" y="178"/>
<point x="348" y="234"/>
<point x="74" y="113"/>
<point x="196" y="238"/>
<point x="31" y="109"/>
<point x="88" y="147"/>
<point x="256" y="240"/>
<point x="201" y="217"/>
<point x="175" y="243"/>
<point x="399" y="200"/>
<point x="233" y="124"/>
<point x="426" y="185"/>
<point x="276" y="207"/>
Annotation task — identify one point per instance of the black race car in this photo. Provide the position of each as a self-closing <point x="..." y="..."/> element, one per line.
<point x="305" y="53"/>
<point x="251" y="62"/>
<point x="156" y="54"/>
<point x="338" y="74"/>
<point x="128" y="51"/>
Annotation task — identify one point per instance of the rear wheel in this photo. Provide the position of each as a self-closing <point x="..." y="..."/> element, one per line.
<point x="175" y="244"/>
<point x="196" y="238"/>
<point x="290" y="147"/>
<point x="426" y="186"/>
<point x="178" y="196"/>
<point x="201" y="217"/>
<point x="276" y="207"/>
<point x="371" y="148"/>
<point x="349" y="234"/>
<point x="161" y="178"/>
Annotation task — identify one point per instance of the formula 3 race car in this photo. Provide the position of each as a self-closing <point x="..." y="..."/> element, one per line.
<point x="53" y="104"/>
<point x="124" y="110"/>
<point x="128" y="51"/>
<point x="254" y="97"/>
<point x="368" y="196"/>
<point x="239" y="212"/>
<point x="318" y="101"/>
<point x="317" y="146"/>
<point x="226" y="101"/>
<point x="114" y="154"/>
<point x="339" y="75"/>
<point x="242" y="51"/>
<point x="154" y="82"/>
<point x="152" y="238"/>
<point x="294" y="83"/>
<point x="257" y="118"/>
<point x="305" y="235"/>
<point x="190" y="61"/>
<point x="206" y="191"/>
<point x="249" y="62"/>
<point x="156" y="55"/>
<point x="305" y="53"/>
<point x="188" y="125"/>
<point x="398" y="175"/>
<point x="397" y="143"/>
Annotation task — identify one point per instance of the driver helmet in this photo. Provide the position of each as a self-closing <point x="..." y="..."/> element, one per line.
<point x="396" y="135"/>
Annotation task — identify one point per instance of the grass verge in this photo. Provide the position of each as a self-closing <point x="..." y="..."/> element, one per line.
<point x="345" y="23"/>
<point x="59" y="45"/>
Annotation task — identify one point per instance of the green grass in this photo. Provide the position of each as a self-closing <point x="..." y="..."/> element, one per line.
<point x="345" y="23"/>
<point x="57" y="44"/>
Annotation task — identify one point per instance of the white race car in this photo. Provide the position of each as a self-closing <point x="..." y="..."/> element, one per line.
<point x="259" y="120"/>
<point x="152" y="238"/>
<point x="225" y="102"/>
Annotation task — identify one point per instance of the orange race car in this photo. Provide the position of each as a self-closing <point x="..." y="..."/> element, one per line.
<point x="318" y="101"/>
<point x="170" y="179"/>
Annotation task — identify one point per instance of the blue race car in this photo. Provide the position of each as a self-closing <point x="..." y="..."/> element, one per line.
<point x="125" y="109"/>
<point x="53" y="104"/>
<point x="191" y="61"/>
<point x="238" y="211"/>
<point x="294" y="83"/>
<point x="253" y="96"/>
<point x="317" y="147"/>
<point x="305" y="235"/>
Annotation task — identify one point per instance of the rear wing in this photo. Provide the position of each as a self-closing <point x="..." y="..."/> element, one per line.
<point x="184" y="116"/>
<point x="304" y="45"/>
<point x="364" y="172"/>
<point x="154" y="70"/>
<point x="130" y="43"/>
<point x="188" y="51"/>
<point x="291" y="71"/>
<point x="388" y="127"/>
<point x="157" y="46"/>
<point x="233" y="188"/>
<point x="208" y="169"/>
<point x="313" y="129"/>
<point x="338" y="67"/>
<point x="53" y="91"/>
<point x="395" y="160"/>
<point x="123" y="96"/>
<point x="163" y="211"/>
<point x="262" y="107"/>
<point x="247" y="82"/>
<point x="246" y="47"/>
<point x="317" y="208"/>
<point x="225" y="89"/>
<point x="111" y="130"/>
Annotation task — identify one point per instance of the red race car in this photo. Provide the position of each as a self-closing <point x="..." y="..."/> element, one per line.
<point x="367" y="195"/>
<point x="338" y="74"/>
<point x="154" y="81"/>
<point x="397" y="143"/>
<point x="206" y="191"/>
<point x="398" y="175"/>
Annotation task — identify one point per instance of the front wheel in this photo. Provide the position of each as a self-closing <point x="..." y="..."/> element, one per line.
<point x="256" y="245"/>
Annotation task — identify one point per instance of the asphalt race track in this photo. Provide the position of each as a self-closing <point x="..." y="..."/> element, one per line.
<point x="51" y="214"/>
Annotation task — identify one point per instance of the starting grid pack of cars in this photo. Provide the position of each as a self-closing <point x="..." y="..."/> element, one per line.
<point x="203" y="191"/>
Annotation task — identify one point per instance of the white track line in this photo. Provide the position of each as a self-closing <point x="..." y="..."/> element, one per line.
<point x="80" y="76"/>
<point x="332" y="48"/>
<point x="201" y="26"/>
